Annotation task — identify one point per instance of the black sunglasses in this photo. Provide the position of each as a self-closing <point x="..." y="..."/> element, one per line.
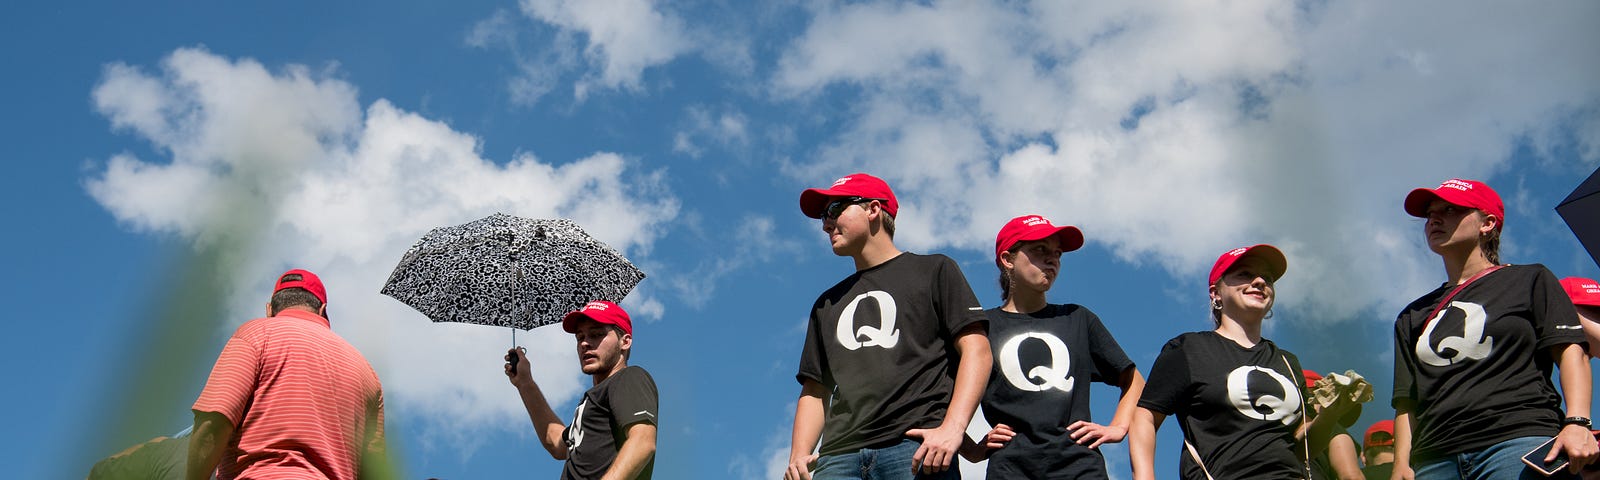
<point x="836" y="207"/>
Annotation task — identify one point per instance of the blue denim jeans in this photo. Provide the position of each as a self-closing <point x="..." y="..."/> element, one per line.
<point x="1501" y="461"/>
<point x="888" y="463"/>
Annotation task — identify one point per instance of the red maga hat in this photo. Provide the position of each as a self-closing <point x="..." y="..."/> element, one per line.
<point x="1458" y="192"/>
<point x="1311" y="378"/>
<point x="1271" y="254"/>
<point x="1381" y="426"/>
<point x="1028" y="228"/>
<point x="600" y="311"/>
<point x="1584" y="291"/>
<point x="814" y="200"/>
<point x="308" y="281"/>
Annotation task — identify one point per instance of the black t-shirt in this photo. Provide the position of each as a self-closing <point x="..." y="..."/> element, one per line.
<point x="883" y="342"/>
<point x="600" y="425"/>
<point x="1378" y="472"/>
<point x="1043" y="363"/>
<point x="1238" y="406"/>
<point x="1483" y="374"/>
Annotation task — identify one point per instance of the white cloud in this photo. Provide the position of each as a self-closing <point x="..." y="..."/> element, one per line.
<point x="705" y="125"/>
<point x="622" y="38"/>
<point x="1173" y="131"/>
<point x="287" y="167"/>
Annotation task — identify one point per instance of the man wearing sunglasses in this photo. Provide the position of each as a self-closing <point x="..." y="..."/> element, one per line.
<point x="896" y="355"/>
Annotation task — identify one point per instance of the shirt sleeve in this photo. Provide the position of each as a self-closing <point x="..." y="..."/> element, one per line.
<point x="1169" y="380"/>
<point x="1109" y="359"/>
<point x="958" y="307"/>
<point x="633" y="398"/>
<point x="813" y="362"/>
<point x="233" y="380"/>
<point x="1555" y="320"/>
<point x="1404" y="365"/>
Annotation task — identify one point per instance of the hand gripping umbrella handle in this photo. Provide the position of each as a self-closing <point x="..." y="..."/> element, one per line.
<point x="515" y="355"/>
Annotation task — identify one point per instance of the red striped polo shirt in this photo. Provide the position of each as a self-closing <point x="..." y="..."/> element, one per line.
<point x="302" y="400"/>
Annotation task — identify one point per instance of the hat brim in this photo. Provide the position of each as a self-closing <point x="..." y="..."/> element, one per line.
<point x="1070" y="237"/>
<point x="1268" y="253"/>
<point x="569" y="322"/>
<point x="814" y="200"/>
<point x="1417" y="201"/>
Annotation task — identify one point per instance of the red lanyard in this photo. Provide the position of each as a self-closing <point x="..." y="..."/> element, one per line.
<point x="1453" y="293"/>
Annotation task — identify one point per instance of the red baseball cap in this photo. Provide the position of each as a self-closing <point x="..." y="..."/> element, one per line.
<point x="1459" y="192"/>
<point x="1271" y="254"/>
<point x="308" y="281"/>
<point x="600" y="311"/>
<point x="1028" y="228"/>
<point x="1584" y="291"/>
<point x="1311" y="378"/>
<point x="814" y="200"/>
<point x="1384" y="426"/>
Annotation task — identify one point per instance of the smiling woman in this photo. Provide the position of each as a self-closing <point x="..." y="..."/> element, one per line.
<point x="1237" y="395"/>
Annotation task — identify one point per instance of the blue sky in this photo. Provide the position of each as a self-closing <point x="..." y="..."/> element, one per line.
<point x="168" y="158"/>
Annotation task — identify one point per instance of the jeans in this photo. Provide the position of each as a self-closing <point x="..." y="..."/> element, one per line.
<point x="1499" y="461"/>
<point x="889" y="463"/>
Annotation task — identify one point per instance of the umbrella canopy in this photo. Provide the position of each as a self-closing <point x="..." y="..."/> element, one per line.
<point x="509" y="271"/>
<point x="1581" y="210"/>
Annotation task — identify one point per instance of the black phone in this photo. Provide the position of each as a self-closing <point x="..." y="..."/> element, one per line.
<point x="1535" y="459"/>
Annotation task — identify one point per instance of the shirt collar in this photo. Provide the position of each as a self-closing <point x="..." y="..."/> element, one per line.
<point x="304" y="315"/>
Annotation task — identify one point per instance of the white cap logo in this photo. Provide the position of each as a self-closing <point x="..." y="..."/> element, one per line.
<point x="840" y="181"/>
<point x="1035" y="221"/>
<point x="1456" y="184"/>
<point x="594" y="306"/>
<point x="1237" y="251"/>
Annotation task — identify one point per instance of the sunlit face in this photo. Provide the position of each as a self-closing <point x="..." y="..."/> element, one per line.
<point x="600" y="346"/>
<point x="1034" y="264"/>
<point x="1247" y="286"/>
<point x="848" y="224"/>
<point x="1451" y="226"/>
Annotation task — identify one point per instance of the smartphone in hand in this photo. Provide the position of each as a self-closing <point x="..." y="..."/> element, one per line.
<point x="1535" y="459"/>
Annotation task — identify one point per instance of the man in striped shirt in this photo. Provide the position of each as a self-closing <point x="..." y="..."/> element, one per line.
<point x="288" y="398"/>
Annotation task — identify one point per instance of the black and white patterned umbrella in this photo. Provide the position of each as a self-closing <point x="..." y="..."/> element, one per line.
<point x="509" y="271"/>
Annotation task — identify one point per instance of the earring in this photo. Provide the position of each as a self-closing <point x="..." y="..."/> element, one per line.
<point x="1269" y="314"/>
<point x="1216" y="304"/>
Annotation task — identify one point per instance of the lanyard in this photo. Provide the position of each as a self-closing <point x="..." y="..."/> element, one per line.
<point x="1446" y="300"/>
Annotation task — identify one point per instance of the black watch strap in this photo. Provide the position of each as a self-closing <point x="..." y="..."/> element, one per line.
<point x="1580" y="421"/>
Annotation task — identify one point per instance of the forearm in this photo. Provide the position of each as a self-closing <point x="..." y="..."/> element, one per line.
<point x="1342" y="457"/>
<point x="206" y="444"/>
<point x="972" y="374"/>
<point x="1132" y="384"/>
<point x="545" y="422"/>
<point x="808" y="416"/>
<point x="1402" y="438"/>
<point x="1142" y="442"/>
<point x="1575" y="380"/>
<point x="635" y="453"/>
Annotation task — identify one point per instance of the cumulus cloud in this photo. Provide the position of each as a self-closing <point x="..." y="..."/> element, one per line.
<point x="1214" y="123"/>
<point x="288" y="163"/>
<point x="704" y="125"/>
<point x="617" y="40"/>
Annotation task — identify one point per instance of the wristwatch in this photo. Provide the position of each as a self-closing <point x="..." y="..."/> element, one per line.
<point x="1579" y="421"/>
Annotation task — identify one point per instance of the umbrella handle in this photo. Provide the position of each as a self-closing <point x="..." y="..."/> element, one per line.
<point x="514" y="353"/>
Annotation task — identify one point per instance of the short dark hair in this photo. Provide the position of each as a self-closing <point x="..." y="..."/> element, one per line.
<point x="888" y="220"/>
<point x="293" y="296"/>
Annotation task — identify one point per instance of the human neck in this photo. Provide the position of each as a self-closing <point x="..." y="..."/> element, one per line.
<point x="1020" y="301"/>
<point x="602" y="376"/>
<point x="1460" y="268"/>
<point x="1245" y="333"/>
<point x="875" y="252"/>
